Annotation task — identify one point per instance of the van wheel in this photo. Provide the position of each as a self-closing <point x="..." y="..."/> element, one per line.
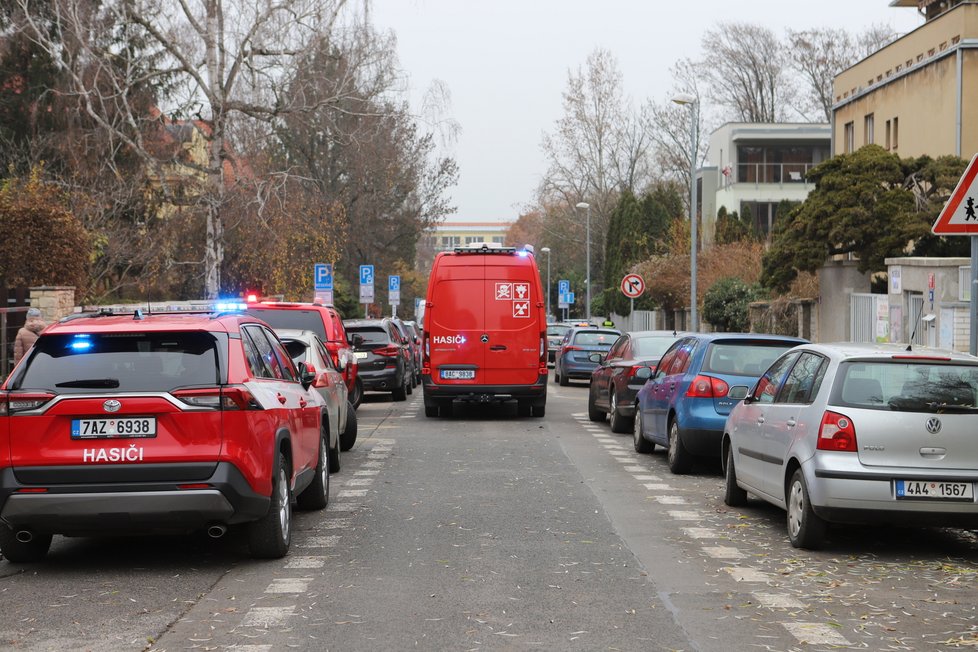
<point x="349" y="436"/>
<point x="18" y="552"/>
<point x="316" y="495"/>
<point x="270" y="536"/>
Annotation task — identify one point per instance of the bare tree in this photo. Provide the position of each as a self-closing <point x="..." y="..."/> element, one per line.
<point x="231" y="59"/>
<point x="745" y="68"/>
<point x="819" y="55"/>
<point x="599" y="148"/>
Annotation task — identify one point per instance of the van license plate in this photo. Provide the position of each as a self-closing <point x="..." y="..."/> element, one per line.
<point x="458" y="374"/>
<point x="136" y="427"/>
<point x="939" y="490"/>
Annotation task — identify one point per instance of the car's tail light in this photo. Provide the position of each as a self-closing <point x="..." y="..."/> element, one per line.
<point x="836" y="433"/>
<point x="707" y="387"/>
<point x="14" y="403"/>
<point x="231" y="397"/>
<point x="571" y="347"/>
<point x="426" y="351"/>
<point x="543" y="347"/>
<point x="634" y="370"/>
<point x="388" y="351"/>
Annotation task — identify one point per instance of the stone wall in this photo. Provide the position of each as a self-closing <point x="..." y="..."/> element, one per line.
<point x="54" y="302"/>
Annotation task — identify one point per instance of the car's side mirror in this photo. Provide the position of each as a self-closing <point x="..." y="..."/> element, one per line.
<point x="740" y="392"/>
<point x="596" y="357"/>
<point x="307" y="375"/>
<point x="643" y="373"/>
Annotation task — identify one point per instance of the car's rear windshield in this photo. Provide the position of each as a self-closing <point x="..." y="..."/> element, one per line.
<point x="743" y="358"/>
<point x="370" y="334"/>
<point x="652" y="347"/>
<point x="905" y="385"/>
<point x="557" y="329"/>
<point x="127" y="362"/>
<point x="303" y="320"/>
<point x="595" y="338"/>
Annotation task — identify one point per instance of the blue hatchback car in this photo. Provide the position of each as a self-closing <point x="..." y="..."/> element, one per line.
<point x="685" y="402"/>
<point x="573" y="359"/>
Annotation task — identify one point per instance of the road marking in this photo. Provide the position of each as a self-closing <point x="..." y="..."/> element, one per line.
<point x="619" y="453"/>
<point x="377" y="456"/>
<point x="373" y="464"/>
<point x="613" y="446"/>
<point x="636" y="469"/>
<point x="366" y="472"/>
<point x="671" y="500"/>
<point x="700" y="532"/>
<point x="320" y="542"/>
<point x="250" y="648"/>
<point x="659" y="487"/>
<point x="747" y="574"/>
<point x="816" y="634"/>
<point x="778" y="601"/>
<point x="723" y="552"/>
<point x="359" y="482"/>
<point x="289" y="585"/>
<point x="344" y="507"/>
<point x="335" y="523"/>
<point x="267" y="616"/>
<point x="352" y="493"/>
<point x="680" y="515"/>
<point x="306" y="562"/>
<point x="653" y="478"/>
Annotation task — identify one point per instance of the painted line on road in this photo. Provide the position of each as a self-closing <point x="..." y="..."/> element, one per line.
<point x="671" y="500"/>
<point x="366" y="472"/>
<point x="320" y="542"/>
<point x="249" y="648"/>
<point x="307" y="561"/>
<point x="289" y="585"/>
<point x="344" y="507"/>
<point x="637" y="469"/>
<point x="647" y="478"/>
<point x="353" y="493"/>
<point x="700" y="533"/>
<point x="778" y="601"/>
<point x="359" y="482"/>
<point x="748" y="574"/>
<point x="659" y="487"/>
<point x="267" y="616"/>
<point x="342" y="522"/>
<point x="723" y="552"/>
<point x="374" y="464"/>
<point x="683" y="515"/>
<point x="815" y="634"/>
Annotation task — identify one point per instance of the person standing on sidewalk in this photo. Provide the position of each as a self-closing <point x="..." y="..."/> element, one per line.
<point x="28" y="333"/>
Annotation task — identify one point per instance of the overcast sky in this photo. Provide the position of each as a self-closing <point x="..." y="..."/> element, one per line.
<point x="505" y="63"/>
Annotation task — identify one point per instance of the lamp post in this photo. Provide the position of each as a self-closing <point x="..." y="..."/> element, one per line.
<point x="691" y="101"/>
<point x="546" y="250"/>
<point x="587" y="282"/>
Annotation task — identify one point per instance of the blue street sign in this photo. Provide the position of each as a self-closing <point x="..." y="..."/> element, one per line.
<point x="394" y="283"/>
<point x="570" y="297"/>
<point x="322" y="274"/>
<point x="366" y="274"/>
<point x="563" y="287"/>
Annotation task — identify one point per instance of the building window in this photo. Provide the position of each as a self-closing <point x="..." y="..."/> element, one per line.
<point x="849" y="138"/>
<point x="762" y="215"/>
<point x="472" y="239"/>
<point x="449" y="241"/>
<point x="896" y="132"/>
<point x="497" y="239"/>
<point x="869" y="124"/>
<point x="888" y="135"/>
<point x="780" y="164"/>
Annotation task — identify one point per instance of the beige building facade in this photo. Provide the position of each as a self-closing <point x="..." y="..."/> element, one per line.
<point x="919" y="94"/>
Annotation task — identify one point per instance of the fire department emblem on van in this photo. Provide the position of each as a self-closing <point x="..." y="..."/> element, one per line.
<point x="933" y="425"/>
<point x="111" y="405"/>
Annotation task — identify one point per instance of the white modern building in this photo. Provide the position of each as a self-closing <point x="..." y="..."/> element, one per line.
<point x="755" y="166"/>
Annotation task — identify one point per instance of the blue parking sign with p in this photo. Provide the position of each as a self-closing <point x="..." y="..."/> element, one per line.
<point x="366" y="274"/>
<point x="393" y="283"/>
<point x="322" y="276"/>
<point x="563" y="287"/>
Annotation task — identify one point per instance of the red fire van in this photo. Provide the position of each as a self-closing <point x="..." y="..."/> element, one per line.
<point x="485" y="331"/>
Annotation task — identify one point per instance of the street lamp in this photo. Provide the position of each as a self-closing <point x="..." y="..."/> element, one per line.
<point x="546" y="250"/>
<point x="587" y="281"/>
<point x="691" y="101"/>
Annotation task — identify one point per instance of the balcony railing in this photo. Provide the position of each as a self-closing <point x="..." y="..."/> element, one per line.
<point x="780" y="173"/>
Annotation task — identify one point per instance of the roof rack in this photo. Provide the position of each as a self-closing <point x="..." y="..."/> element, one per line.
<point x="485" y="248"/>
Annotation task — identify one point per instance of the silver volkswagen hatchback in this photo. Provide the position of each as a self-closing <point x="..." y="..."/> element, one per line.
<point x="858" y="433"/>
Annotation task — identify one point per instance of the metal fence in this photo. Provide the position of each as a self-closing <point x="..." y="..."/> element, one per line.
<point x="863" y="312"/>
<point x="11" y="319"/>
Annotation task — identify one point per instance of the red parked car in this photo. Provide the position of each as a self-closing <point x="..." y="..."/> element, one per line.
<point x="158" y="423"/>
<point x="326" y="322"/>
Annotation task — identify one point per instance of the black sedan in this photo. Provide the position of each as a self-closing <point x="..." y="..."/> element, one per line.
<point x="614" y="383"/>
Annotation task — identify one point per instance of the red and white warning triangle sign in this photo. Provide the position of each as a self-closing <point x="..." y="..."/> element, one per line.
<point x="960" y="214"/>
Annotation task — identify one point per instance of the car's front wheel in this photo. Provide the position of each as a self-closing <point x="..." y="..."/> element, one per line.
<point x="271" y="536"/>
<point x="805" y="528"/>
<point x="593" y="413"/>
<point x="642" y="445"/>
<point x="733" y="495"/>
<point x="680" y="460"/>
<point x="349" y="436"/>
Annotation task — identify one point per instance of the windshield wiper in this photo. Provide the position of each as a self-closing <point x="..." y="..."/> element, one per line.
<point x="91" y="382"/>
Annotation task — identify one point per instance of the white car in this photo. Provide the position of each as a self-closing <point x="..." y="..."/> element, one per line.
<point x="858" y="433"/>
<point x="307" y="347"/>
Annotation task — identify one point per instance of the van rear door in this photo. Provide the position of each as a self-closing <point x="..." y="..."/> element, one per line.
<point x="454" y="321"/>
<point x="513" y="321"/>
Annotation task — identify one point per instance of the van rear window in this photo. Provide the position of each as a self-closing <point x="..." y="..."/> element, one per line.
<point x="137" y="362"/>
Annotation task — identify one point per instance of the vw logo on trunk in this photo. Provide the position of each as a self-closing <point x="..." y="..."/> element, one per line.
<point x="933" y="425"/>
<point x="111" y="405"/>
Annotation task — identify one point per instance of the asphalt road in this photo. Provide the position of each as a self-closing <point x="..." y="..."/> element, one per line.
<point x="488" y="531"/>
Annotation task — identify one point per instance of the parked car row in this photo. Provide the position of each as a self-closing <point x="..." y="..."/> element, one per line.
<point x="831" y="433"/>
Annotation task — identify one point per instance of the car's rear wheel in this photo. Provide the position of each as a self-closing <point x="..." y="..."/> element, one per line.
<point x="538" y="409"/>
<point x="680" y="460"/>
<point x="618" y="422"/>
<point x="23" y="552"/>
<point x="270" y="536"/>
<point x="733" y="495"/>
<point x="400" y="394"/>
<point x="445" y="408"/>
<point x="316" y="495"/>
<point x="523" y="408"/>
<point x="564" y="381"/>
<point x="805" y="528"/>
<point x="556" y="376"/>
<point x="593" y="413"/>
<point x="642" y="445"/>
<point x="349" y="436"/>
